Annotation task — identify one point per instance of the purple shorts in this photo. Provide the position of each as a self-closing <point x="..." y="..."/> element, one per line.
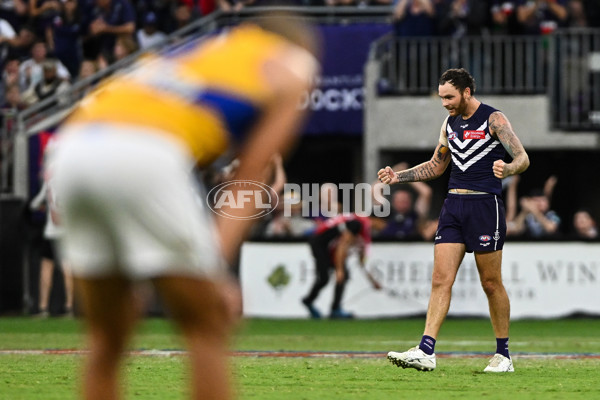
<point x="477" y="220"/>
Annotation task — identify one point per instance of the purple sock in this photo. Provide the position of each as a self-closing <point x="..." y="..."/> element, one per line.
<point x="502" y="346"/>
<point x="427" y="344"/>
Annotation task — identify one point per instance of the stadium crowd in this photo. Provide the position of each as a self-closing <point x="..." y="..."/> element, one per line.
<point x="79" y="37"/>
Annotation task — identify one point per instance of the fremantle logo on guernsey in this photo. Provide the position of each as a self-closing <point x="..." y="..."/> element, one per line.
<point x="239" y="199"/>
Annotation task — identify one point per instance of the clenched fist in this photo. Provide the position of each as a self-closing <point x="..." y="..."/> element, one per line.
<point x="387" y="175"/>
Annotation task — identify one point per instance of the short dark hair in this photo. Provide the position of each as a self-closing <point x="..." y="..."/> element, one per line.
<point x="460" y="78"/>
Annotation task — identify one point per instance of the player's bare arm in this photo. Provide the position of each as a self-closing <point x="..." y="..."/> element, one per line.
<point x="274" y="133"/>
<point x="426" y="171"/>
<point x="501" y="128"/>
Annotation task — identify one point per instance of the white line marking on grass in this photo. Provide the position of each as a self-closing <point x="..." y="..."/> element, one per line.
<point x="305" y="354"/>
<point x="472" y="342"/>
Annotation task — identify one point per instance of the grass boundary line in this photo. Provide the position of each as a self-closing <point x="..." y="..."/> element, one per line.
<point x="306" y="354"/>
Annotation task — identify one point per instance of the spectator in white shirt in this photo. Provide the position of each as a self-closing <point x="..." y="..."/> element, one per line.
<point x="149" y="35"/>
<point x="31" y="71"/>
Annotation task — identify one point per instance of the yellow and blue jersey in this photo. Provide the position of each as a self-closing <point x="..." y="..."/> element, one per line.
<point x="206" y="96"/>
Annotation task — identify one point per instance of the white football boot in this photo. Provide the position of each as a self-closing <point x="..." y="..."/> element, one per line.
<point x="499" y="363"/>
<point x="413" y="358"/>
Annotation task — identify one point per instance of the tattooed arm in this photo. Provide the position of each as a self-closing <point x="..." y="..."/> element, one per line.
<point x="501" y="129"/>
<point x="423" y="172"/>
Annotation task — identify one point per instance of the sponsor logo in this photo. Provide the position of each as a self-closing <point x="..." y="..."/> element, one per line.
<point x="473" y="135"/>
<point x="227" y="197"/>
<point x="438" y="237"/>
<point x="484" y="244"/>
<point x="344" y="99"/>
<point x="464" y="126"/>
<point x="452" y="136"/>
<point x="279" y="277"/>
<point x="485" y="238"/>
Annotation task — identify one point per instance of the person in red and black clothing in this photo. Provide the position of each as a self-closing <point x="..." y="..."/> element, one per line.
<point x="330" y="246"/>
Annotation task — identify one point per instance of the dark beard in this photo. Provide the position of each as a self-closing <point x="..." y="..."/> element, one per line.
<point x="462" y="106"/>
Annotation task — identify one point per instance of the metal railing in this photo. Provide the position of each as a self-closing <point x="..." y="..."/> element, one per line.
<point x="575" y="72"/>
<point x="564" y="65"/>
<point x="499" y="64"/>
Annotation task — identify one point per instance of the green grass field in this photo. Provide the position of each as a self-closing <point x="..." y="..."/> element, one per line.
<point x="464" y="347"/>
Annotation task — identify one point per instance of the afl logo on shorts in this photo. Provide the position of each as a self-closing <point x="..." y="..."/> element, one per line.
<point x="485" y="238"/>
<point x="227" y="197"/>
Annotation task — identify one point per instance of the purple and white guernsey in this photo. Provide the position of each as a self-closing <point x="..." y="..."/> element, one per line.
<point x="474" y="151"/>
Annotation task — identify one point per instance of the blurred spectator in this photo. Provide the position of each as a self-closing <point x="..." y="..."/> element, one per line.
<point x="108" y="19"/>
<point x="408" y="220"/>
<point x="20" y="46"/>
<point x="465" y="17"/>
<point x="584" y="225"/>
<point x="7" y="33"/>
<point x="14" y="12"/>
<point x="30" y="71"/>
<point x="577" y="15"/>
<point x="149" y="35"/>
<point x="41" y="13"/>
<point x="540" y="221"/>
<point x="414" y="18"/>
<point x="10" y="75"/>
<point x="12" y="98"/>
<point x="504" y="18"/>
<point x="50" y="85"/>
<point x="542" y="16"/>
<point x="293" y="226"/>
<point x="87" y="69"/>
<point x="45" y="200"/>
<point x="549" y="186"/>
<point x="63" y="35"/>
<point x="185" y="11"/>
<point x="206" y="6"/>
<point x="404" y="220"/>
<point x="163" y="10"/>
<point x="124" y="47"/>
<point x="536" y="219"/>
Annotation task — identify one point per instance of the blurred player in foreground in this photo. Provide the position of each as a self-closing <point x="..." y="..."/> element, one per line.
<point x="474" y="136"/>
<point x="330" y="246"/>
<point x="123" y="173"/>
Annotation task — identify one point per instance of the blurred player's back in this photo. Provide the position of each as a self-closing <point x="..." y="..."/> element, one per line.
<point x="129" y="205"/>
<point x="205" y="96"/>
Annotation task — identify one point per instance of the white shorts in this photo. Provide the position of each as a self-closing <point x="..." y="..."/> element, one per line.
<point x="130" y="206"/>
